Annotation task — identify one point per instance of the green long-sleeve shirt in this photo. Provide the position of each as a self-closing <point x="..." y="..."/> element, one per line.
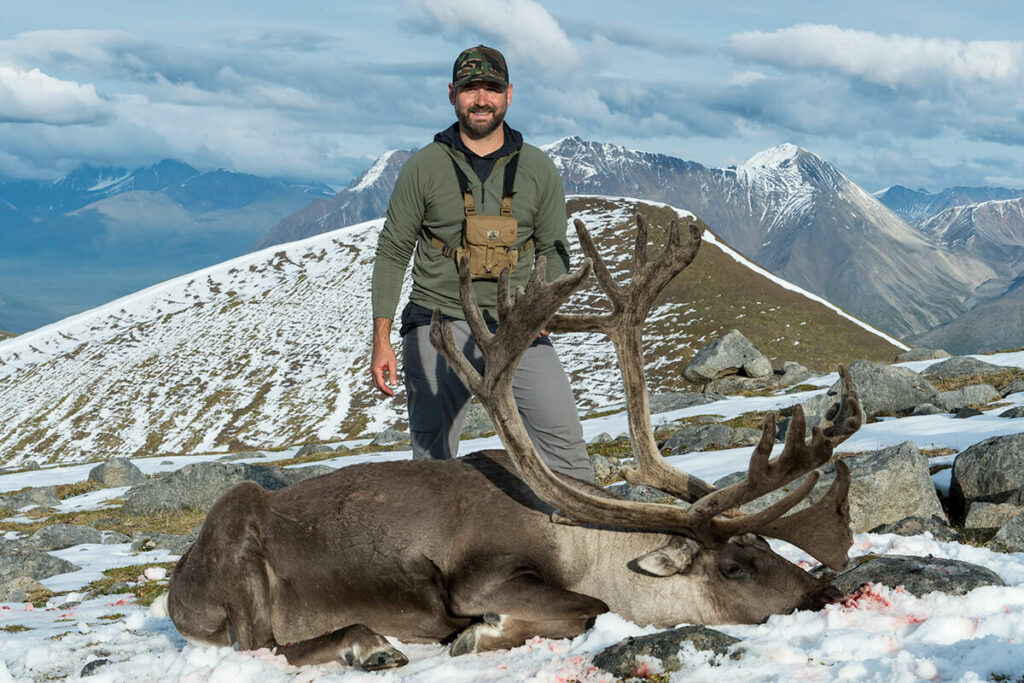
<point x="427" y="195"/>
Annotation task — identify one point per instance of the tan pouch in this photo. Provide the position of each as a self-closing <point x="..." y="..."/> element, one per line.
<point x="489" y="240"/>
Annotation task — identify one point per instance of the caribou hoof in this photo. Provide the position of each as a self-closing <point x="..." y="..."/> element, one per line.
<point x="385" y="658"/>
<point x="469" y="639"/>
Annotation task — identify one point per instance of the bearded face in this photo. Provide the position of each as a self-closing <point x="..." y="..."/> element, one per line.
<point x="480" y="108"/>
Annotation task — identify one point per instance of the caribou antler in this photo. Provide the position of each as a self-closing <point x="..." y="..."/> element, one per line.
<point x="519" y="325"/>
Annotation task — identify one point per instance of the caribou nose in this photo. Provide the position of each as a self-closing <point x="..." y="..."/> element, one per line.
<point x="826" y="594"/>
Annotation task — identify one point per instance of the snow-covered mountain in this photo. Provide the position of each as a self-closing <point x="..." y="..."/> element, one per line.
<point x="270" y="349"/>
<point x="917" y="206"/>
<point x="365" y="198"/>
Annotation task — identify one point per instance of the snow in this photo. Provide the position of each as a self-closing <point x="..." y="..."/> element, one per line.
<point x="374" y="172"/>
<point x="882" y="634"/>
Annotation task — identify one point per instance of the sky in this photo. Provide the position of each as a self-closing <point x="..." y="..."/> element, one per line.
<point x="922" y="94"/>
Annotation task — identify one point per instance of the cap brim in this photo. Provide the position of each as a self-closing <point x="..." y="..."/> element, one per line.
<point x="485" y="79"/>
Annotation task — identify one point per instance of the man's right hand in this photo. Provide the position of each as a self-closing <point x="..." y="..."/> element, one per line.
<point x="383" y="363"/>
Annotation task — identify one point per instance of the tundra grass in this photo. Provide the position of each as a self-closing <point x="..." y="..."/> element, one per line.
<point x="127" y="580"/>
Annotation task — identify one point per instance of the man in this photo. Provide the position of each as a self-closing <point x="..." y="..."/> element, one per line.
<point x="479" y="165"/>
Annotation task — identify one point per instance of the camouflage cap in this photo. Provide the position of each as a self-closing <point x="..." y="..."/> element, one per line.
<point x="480" y="63"/>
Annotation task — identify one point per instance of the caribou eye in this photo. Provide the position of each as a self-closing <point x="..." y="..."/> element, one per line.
<point x="733" y="571"/>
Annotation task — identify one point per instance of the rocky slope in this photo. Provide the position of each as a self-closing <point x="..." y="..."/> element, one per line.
<point x="270" y="349"/>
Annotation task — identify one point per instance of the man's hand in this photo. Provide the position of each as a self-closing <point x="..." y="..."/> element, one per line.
<point x="383" y="364"/>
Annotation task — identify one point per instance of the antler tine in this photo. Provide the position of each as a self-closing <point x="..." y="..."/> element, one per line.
<point x="604" y="277"/>
<point x="444" y="341"/>
<point x="640" y="251"/>
<point x="845" y="416"/>
<point x="467" y="297"/>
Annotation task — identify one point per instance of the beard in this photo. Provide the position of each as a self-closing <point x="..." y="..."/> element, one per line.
<point x="480" y="129"/>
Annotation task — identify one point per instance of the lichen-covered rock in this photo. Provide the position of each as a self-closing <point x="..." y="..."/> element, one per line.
<point x="990" y="515"/>
<point x="18" y="559"/>
<point x="888" y="390"/>
<point x="975" y="394"/>
<point x="43" y="496"/>
<point x="1010" y="537"/>
<point x="990" y="471"/>
<point x="963" y="367"/>
<point x="621" y="659"/>
<point x="698" y="438"/>
<point x="916" y="525"/>
<point x="663" y="403"/>
<point x="390" y="437"/>
<point x="730" y="354"/>
<point x="919" y="576"/>
<point x="117" y="472"/>
<point x="58" y="536"/>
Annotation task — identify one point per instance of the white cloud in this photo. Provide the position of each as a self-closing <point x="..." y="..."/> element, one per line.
<point x="522" y="29"/>
<point x="895" y="61"/>
<point x="33" y="96"/>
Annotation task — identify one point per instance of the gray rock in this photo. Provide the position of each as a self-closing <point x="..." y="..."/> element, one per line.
<point x="663" y="403"/>
<point x="313" y="449"/>
<point x="915" y="526"/>
<point x="478" y="423"/>
<point x="390" y="437"/>
<point x="921" y="354"/>
<point x="888" y="390"/>
<point x="92" y="668"/>
<point x="112" y="537"/>
<point x="44" y="496"/>
<point x="698" y="438"/>
<point x="602" y="467"/>
<point x="248" y="455"/>
<point x="197" y="486"/>
<point x="927" y="409"/>
<point x="745" y="436"/>
<point x="17" y="559"/>
<point x="811" y="420"/>
<point x="919" y="576"/>
<point x="58" y="536"/>
<point x="976" y="394"/>
<point x="991" y="471"/>
<point x="1012" y="388"/>
<point x="19" y="589"/>
<point x="1016" y="411"/>
<point x="794" y="373"/>
<point x="1010" y="537"/>
<point x="603" y="437"/>
<point x="117" y="472"/>
<point x="177" y="544"/>
<point x="961" y="367"/>
<point x="640" y="494"/>
<point x="990" y="515"/>
<point x="887" y="486"/>
<point x="966" y="412"/>
<point x="730" y="354"/>
<point x="620" y="659"/>
<point x="31" y="465"/>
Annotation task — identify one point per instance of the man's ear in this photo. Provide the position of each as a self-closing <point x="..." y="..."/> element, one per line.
<point x="675" y="557"/>
<point x="451" y="94"/>
<point x="508" y="95"/>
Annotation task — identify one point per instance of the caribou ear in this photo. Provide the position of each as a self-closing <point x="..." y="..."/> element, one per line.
<point x="675" y="557"/>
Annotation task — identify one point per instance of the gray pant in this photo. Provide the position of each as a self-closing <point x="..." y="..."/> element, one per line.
<point x="438" y="401"/>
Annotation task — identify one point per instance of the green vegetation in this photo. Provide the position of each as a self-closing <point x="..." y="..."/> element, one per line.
<point x="126" y="580"/>
<point x="15" y="628"/>
<point x="178" y="522"/>
<point x="999" y="380"/>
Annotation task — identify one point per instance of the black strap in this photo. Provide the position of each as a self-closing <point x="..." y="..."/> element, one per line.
<point x="507" y="190"/>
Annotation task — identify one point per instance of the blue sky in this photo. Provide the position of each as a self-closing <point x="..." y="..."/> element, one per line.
<point x="924" y="94"/>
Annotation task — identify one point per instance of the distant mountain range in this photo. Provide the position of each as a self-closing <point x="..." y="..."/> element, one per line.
<point x="796" y="214"/>
<point x="270" y="349"/>
<point x="99" y="233"/>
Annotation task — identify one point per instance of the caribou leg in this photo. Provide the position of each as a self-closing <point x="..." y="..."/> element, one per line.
<point x="357" y="645"/>
<point x="516" y="604"/>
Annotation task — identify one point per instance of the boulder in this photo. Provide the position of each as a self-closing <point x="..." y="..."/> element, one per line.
<point x="18" y="560"/>
<point x="390" y="437"/>
<point x="663" y="403"/>
<point x="641" y="493"/>
<point x="730" y="354"/>
<point x="991" y="471"/>
<point x="887" y="486"/>
<point x="602" y="467"/>
<point x="888" y="390"/>
<point x="921" y="354"/>
<point x="966" y="412"/>
<point x="58" y="536"/>
<point x="745" y="436"/>
<point x="963" y="367"/>
<point x="621" y="659"/>
<point x="975" y="394"/>
<point x="990" y="515"/>
<point x="1016" y="411"/>
<point x="1010" y="537"/>
<point x="177" y="544"/>
<point x="699" y="437"/>
<point x="478" y="423"/>
<point x="197" y="486"/>
<point x="245" y="455"/>
<point x="918" y="576"/>
<point x="1012" y="388"/>
<point x="313" y="449"/>
<point x="117" y="472"/>
<point x="43" y="496"/>
<point x="794" y="373"/>
<point x="916" y="525"/>
<point x="927" y="409"/>
<point x="19" y="589"/>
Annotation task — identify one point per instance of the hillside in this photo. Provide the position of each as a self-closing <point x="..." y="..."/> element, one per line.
<point x="270" y="349"/>
<point x="992" y="325"/>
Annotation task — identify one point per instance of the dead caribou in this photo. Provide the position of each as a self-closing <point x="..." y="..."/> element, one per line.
<point x="489" y="550"/>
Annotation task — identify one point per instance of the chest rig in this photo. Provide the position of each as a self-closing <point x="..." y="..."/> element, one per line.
<point x="488" y="241"/>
